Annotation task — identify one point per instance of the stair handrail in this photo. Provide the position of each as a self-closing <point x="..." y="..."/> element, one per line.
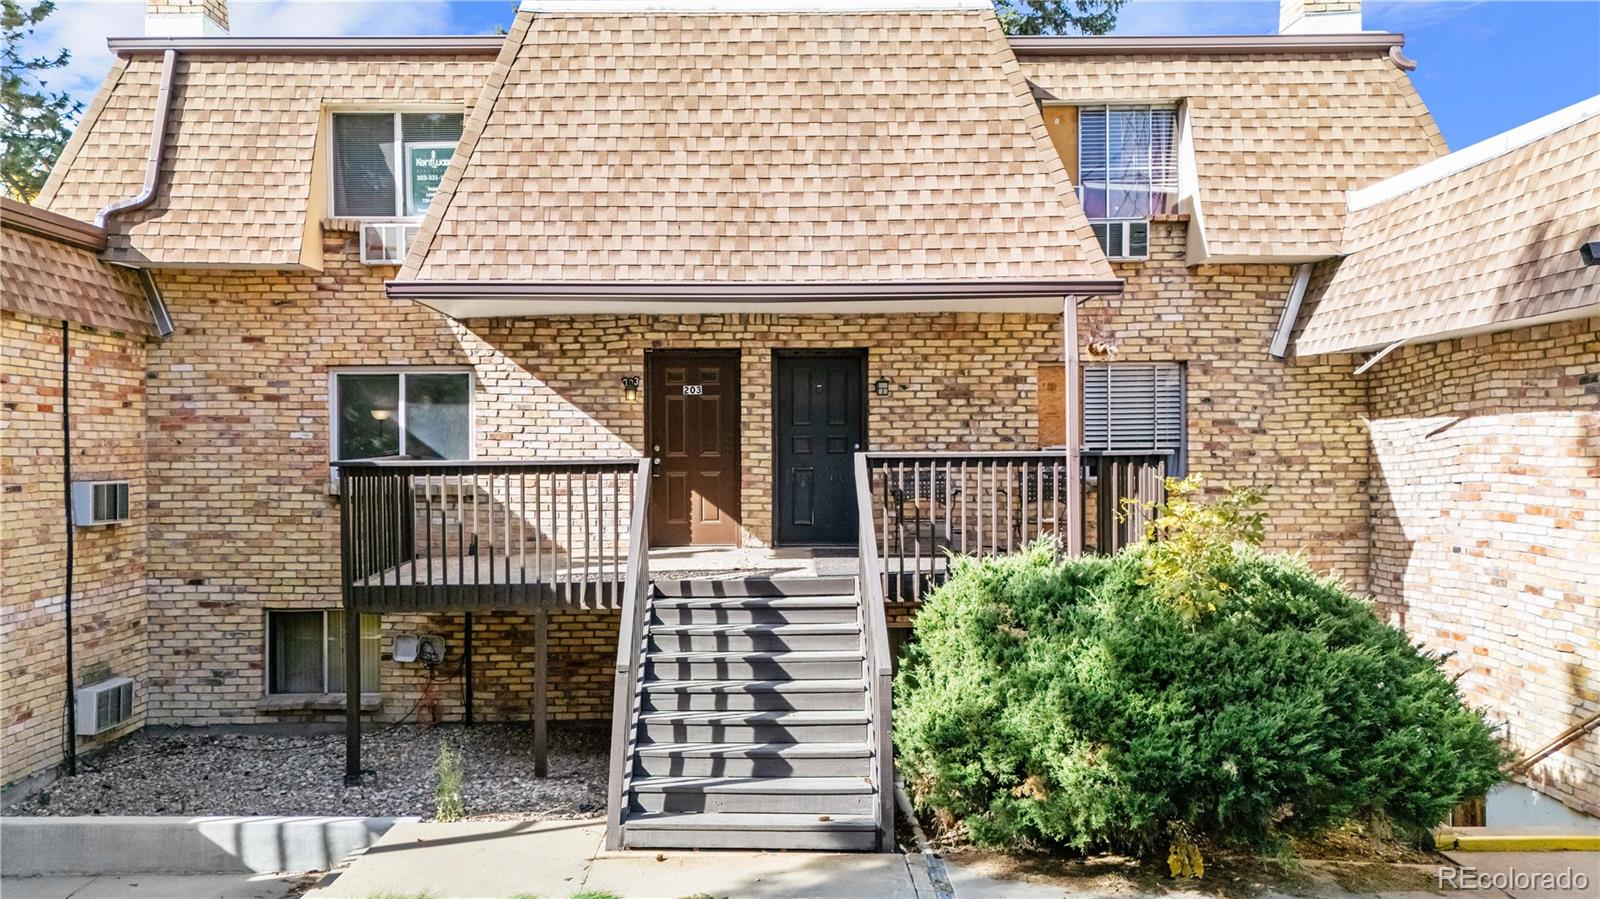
<point x="879" y="662"/>
<point x="630" y="643"/>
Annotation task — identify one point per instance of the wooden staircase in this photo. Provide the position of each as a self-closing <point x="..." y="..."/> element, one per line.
<point x="752" y="724"/>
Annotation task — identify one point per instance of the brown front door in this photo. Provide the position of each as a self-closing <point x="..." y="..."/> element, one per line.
<point x="692" y="402"/>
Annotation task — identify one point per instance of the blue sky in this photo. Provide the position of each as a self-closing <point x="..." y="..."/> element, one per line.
<point x="1485" y="65"/>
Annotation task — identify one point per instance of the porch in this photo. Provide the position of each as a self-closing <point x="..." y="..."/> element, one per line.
<point x="746" y="654"/>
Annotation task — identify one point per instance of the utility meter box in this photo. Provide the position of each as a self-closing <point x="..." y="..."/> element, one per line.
<point x="427" y="649"/>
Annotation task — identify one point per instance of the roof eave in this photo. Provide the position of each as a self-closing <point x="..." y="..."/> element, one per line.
<point x="18" y="216"/>
<point x="411" y="45"/>
<point x="1220" y="44"/>
<point x="741" y="292"/>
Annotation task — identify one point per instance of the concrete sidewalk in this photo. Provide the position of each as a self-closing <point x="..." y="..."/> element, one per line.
<point x="150" y="886"/>
<point x="555" y="859"/>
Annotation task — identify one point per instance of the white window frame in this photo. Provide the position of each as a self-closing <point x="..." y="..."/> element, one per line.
<point x="1177" y="153"/>
<point x="399" y="144"/>
<point x="402" y="371"/>
<point x="266" y="654"/>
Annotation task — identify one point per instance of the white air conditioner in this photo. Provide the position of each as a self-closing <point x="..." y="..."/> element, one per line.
<point x="384" y="243"/>
<point x="1123" y="240"/>
<point x="99" y="502"/>
<point x="104" y="705"/>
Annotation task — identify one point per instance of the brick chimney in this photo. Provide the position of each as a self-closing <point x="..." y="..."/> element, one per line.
<point x="1319" y="16"/>
<point x="186" y="18"/>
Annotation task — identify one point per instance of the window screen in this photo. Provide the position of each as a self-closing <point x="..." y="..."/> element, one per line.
<point x="364" y="164"/>
<point x="305" y="652"/>
<point x="1133" y="408"/>
<point x="1127" y="161"/>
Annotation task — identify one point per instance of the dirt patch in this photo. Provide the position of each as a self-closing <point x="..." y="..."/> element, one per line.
<point x="210" y="774"/>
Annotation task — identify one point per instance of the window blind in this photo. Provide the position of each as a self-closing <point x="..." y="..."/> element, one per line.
<point x="1132" y="408"/>
<point x="363" y="164"/>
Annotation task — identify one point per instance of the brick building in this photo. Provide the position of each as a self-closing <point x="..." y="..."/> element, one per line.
<point x="455" y="250"/>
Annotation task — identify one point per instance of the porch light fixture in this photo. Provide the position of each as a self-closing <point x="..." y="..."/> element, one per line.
<point x="881" y="386"/>
<point x="1590" y="252"/>
<point x="630" y="388"/>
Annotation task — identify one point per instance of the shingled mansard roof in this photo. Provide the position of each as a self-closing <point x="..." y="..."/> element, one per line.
<point x="50" y="268"/>
<point x="236" y="186"/>
<point x="717" y="148"/>
<point x="1280" y="130"/>
<point x="1484" y="239"/>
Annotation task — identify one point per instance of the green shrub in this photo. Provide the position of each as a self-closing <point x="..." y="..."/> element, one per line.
<point x="1080" y="702"/>
<point x="447" y="805"/>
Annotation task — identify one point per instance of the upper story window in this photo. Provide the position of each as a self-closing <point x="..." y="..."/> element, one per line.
<point x="1124" y="160"/>
<point x="390" y="164"/>
<point x="414" y="413"/>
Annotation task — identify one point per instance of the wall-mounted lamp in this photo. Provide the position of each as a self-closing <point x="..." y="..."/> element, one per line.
<point x="630" y="388"/>
<point x="1590" y="252"/>
<point x="881" y="386"/>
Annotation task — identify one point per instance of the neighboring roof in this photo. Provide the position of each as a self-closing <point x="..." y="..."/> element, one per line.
<point x="49" y="267"/>
<point x="236" y="186"/>
<point x="882" y="146"/>
<point x="1281" y="129"/>
<point x="1484" y="239"/>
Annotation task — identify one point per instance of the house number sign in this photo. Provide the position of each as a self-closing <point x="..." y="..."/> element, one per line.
<point x="693" y="389"/>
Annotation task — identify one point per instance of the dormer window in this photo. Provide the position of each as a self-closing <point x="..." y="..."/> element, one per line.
<point x="390" y="164"/>
<point x="1124" y="160"/>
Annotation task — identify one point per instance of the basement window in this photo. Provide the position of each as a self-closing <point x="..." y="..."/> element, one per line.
<point x="406" y="413"/>
<point x="305" y="652"/>
<point x="390" y="164"/>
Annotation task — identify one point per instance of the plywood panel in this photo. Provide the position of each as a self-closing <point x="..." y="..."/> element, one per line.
<point x="1062" y="124"/>
<point x="1052" y="405"/>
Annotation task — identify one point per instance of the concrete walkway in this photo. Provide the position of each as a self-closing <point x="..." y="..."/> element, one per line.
<point x="555" y="859"/>
<point x="150" y="886"/>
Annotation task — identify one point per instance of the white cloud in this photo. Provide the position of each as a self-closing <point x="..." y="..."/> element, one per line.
<point x="82" y="26"/>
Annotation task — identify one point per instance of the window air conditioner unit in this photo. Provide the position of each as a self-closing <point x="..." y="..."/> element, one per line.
<point x="99" y="502"/>
<point x="104" y="705"/>
<point x="1123" y="240"/>
<point x="385" y="243"/>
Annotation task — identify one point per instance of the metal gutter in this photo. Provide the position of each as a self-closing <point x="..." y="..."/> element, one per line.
<point x="18" y="216"/>
<point x="774" y="292"/>
<point x="464" y="44"/>
<point x="1291" y="311"/>
<point x="1375" y="41"/>
<point x="158" y="140"/>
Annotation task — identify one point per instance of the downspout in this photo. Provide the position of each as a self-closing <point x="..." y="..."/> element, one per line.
<point x="66" y="497"/>
<point x="158" y="139"/>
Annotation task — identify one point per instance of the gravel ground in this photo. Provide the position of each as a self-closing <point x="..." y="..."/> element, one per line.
<point x="214" y="774"/>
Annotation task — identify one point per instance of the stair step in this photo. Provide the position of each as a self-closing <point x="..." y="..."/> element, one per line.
<point x="753" y="695"/>
<point x="757" y="586"/>
<point x="716" y="795"/>
<point x="672" y="610"/>
<point x="710" y="830"/>
<point x="753" y="760"/>
<point x="704" y="665"/>
<point x="753" y="727"/>
<point x="755" y="637"/>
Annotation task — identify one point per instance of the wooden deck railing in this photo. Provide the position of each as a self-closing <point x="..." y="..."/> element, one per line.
<point x="420" y="536"/>
<point x="879" y="664"/>
<point x="928" y="506"/>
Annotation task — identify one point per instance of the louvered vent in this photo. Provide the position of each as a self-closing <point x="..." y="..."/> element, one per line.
<point x="104" y="705"/>
<point x="1132" y="408"/>
<point x="99" y="502"/>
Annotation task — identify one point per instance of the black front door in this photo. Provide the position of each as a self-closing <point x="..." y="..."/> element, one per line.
<point x="817" y="428"/>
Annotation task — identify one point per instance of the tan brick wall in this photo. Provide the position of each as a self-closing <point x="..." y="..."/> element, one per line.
<point x="238" y="450"/>
<point x="109" y="608"/>
<point x="1486" y="527"/>
<point x="1292" y="426"/>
